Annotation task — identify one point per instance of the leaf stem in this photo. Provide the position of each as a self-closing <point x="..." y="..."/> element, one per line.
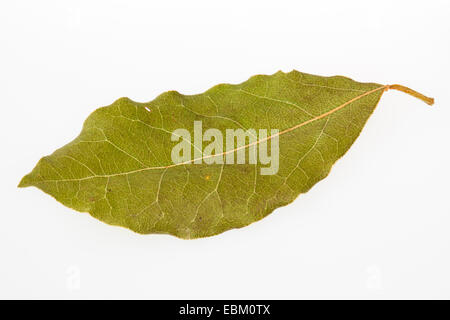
<point x="411" y="92"/>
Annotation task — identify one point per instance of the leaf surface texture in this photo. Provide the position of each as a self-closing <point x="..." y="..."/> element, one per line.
<point x="119" y="168"/>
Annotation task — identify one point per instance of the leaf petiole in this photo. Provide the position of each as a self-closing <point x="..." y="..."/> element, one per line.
<point x="427" y="100"/>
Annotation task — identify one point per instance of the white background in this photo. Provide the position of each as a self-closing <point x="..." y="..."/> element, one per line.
<point x="377" y="227"/>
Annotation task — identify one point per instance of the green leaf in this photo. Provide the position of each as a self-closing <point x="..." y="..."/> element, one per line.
<point x="120" y="170"/>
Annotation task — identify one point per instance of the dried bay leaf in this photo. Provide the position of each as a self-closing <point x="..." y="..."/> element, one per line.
<point x="120" y="170"/>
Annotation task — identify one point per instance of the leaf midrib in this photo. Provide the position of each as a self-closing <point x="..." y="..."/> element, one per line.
<point x="321" y="116"/>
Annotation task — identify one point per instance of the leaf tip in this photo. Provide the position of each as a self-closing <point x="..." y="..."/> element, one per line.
<point x="24" y="182"/>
